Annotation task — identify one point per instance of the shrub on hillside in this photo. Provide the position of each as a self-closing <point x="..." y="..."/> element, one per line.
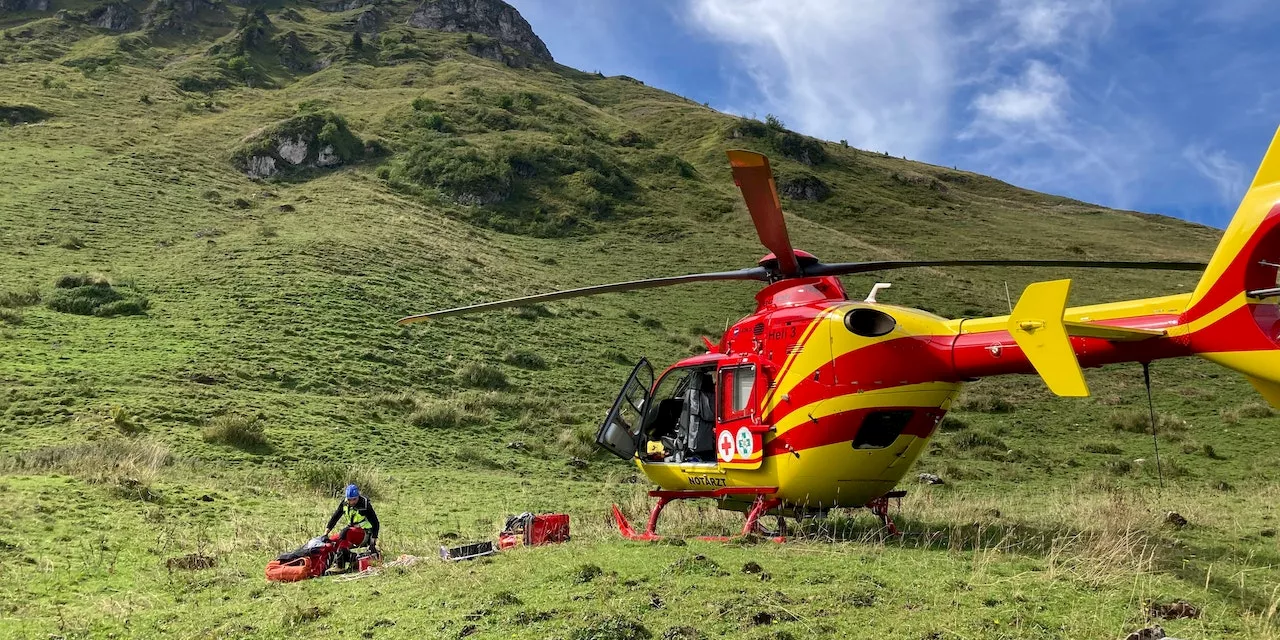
<point x="1251" y="410"/>
<point x="974" y="439"/>
<point x="1096" y="447"/>
<point x="10" y="317"/>
<point x="93" y="295"/>
<point x="480" y="375"/>
<point x="1139" y="421"/>
<point x="525" y="360"/>
<point x="438" y="414"/>
<point x="97" y="461"/>
<point x="21" y="298"/>
<point x="328" y="141"/>
<point x="15" y="114"/>
<point x="952" y="423"/>
<point x="244" y="432"/>
<point x="331" y="478"/>
<point x="982" y="402"/>
<point x="797" y="147"/>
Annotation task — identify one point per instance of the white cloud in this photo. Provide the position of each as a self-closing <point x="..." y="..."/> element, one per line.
<point x="1034" y="98"/>
<point x="1229" y="177"/>
<point x="1047" y="24"/>
<point x="875" y="73"/>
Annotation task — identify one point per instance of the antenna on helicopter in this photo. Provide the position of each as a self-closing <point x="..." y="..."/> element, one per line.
<point x="875" y="288"/>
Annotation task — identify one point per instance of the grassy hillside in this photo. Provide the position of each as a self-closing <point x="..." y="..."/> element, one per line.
<point x="239" y="345"/>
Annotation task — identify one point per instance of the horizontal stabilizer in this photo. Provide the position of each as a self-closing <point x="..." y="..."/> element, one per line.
<point x="1106" y="332"/>
<point x="1036" y="325"/>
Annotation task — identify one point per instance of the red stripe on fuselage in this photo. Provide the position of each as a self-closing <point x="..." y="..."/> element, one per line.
<point x="1242" y="274"/>
<point x="1252" y="327"/>
<point x="843" y="427"/>
<point x="892" y="363"/>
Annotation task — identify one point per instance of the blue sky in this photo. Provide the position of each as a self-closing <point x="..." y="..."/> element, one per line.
<point x="1163" y="106"/>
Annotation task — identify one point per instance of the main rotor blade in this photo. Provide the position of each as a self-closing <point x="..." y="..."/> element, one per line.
<point x="754" y="273"/>
<point x="752" y="174"/>
<point x="847" y="268"/>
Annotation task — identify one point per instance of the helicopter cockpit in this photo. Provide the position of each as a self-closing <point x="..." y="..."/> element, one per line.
<point x="680" y="427"/>
<point x="673" y="421"/>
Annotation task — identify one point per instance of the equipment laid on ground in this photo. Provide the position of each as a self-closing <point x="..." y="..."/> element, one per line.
<point x="817" y="401"/>
<point x="525" y="529"/>
<point x="320" y="555"/>
<point x="308" y="561"/>
<point x="531" y="531"/>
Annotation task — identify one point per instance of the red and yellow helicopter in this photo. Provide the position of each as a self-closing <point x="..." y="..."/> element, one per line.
<point x="817" y="401"/>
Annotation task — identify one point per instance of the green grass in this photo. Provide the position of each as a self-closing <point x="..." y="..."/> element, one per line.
<point x="277" y="300"/>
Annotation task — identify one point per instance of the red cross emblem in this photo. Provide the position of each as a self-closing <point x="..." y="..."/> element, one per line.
<point x="725" y="446"/>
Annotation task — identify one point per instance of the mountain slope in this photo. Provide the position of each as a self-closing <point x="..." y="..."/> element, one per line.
<point x="462" y="167"/>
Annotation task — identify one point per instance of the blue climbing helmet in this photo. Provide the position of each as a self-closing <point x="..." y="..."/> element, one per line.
<point x="352" y="492"/>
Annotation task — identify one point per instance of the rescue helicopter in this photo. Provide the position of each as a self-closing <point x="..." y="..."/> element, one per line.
<point x="816" y="400"/>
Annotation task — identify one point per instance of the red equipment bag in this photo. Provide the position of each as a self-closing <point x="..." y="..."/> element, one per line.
<point x="308" y="561"/>
<point x="531" y="530"/>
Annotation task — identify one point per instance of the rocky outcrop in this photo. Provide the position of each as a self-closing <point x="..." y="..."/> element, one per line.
<point x="183" y="17"/>
<point x="338" y="6"/>
<point x="14" y="6"/>
<point x="493" y="18"/>
<point x="804" y="187"/>
<point x="113" y="16"/>
<point x="309" y="141"/>
<point x="369" y="21"/>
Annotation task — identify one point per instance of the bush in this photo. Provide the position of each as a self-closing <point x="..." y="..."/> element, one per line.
<point x="244" y="432"/>
<point x="93" y="295"/>
<point x="10" y="317"/>
<point x="952" y="423"/>
<point x="482" y="376"/>
<point x="97" y="462"/>
<point x="320" y="129"/>
<point x="438" y="414"/>
<point x="525" y="360"/>
<point x="476" y="456"/>
<point x="975" y="439"/>
<point x="578" y="442"/>
<point x="71" y="243"/>
<point x="1107" y="448"/>
<point x="1138" y="421"/>
<point x="17" y="299"/>
<point x="1118" y="467"/>
<point x="800" y="148"/>
<point x="15" y="114"/>
<point x="982" y="402"/>
<point x="331" y="478"/>
<point x="458" y="169"/>
<point x="1251" y="410"/>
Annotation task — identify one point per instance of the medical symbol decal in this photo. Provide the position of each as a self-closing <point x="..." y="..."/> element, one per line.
<point x="725" y="446"/>
<point x="745" y="443"/>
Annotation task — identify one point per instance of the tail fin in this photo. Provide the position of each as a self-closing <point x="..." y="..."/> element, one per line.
<point x="1232" y="318"/>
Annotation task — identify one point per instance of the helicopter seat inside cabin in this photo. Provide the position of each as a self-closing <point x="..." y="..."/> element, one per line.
<point x="697" y="420"/>
<point x="665" y="427"/>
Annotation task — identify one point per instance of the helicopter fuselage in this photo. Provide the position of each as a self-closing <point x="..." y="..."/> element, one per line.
<point x="831" y="401"/>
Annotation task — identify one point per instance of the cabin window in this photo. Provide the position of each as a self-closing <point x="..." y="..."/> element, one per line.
<point x="880" y="428"/>
<point x="736" y="385"/>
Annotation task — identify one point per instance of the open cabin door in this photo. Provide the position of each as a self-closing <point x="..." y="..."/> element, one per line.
<point x="739" y="433"/>
<point x="621" y="429"/>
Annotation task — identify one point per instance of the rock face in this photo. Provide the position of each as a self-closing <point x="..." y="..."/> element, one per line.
<point x="14" y="6"/>
<point x="114" y="16"/>
<point x="493" y="18"/>
<point x="805" y="187"/>
<point x="183" y="16"/>
<point x="311" y="141"/>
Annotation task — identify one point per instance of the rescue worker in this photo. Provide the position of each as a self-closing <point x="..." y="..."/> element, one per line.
<point x="360" y="522"/>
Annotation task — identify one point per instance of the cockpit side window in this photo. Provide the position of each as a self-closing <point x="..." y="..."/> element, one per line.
<point x="737" y="386"/>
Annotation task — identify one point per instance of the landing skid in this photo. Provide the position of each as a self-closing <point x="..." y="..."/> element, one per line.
<point x="759" y="507"/>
